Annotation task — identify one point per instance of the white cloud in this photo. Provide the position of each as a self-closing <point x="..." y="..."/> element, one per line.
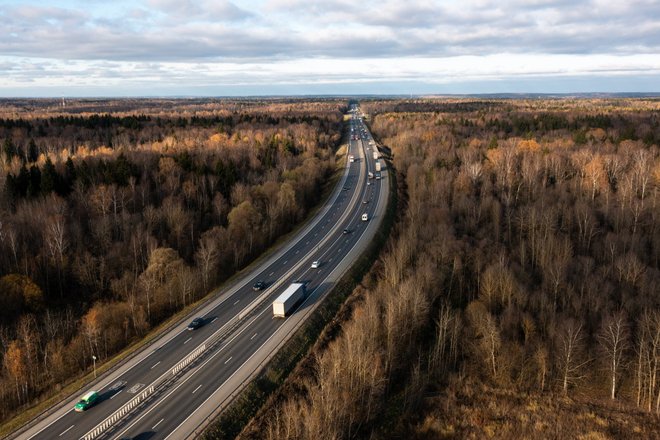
<point x="262" y="42"/>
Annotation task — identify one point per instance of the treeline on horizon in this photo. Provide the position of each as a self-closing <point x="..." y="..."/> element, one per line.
<point x="519" y="294"/>
<point x="109" y="224"/>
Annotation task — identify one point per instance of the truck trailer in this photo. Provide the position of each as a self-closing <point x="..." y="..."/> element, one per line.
<point x="377" y="165"/>
<point x="288" y="300"/>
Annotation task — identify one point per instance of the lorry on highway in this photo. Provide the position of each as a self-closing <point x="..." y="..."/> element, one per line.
<point x="288" y="300"/>
<point x="377" y="165"/>
<point x="375" y="154"/>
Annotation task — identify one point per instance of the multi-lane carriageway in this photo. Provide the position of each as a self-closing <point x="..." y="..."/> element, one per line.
<point x="240" y="334"/>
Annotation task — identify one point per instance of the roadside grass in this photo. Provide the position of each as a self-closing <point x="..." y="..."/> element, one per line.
<point x="320" y="328"/>
<point x="465" y="409"/>
<point x="76" y="385"/>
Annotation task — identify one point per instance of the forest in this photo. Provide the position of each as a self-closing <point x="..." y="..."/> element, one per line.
<point x="518" y="296"/>
<point x="117" y="214"/>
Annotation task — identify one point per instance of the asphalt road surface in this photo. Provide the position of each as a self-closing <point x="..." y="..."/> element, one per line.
<point x="239" y="334"/>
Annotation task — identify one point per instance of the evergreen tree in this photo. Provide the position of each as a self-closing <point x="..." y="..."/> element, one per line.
<point x="8" y="149"/>
<point x="69" y="176"/>
<point x="33" y="152"/>
<point x="50" y="180"/>
<point x="34" y="182"/>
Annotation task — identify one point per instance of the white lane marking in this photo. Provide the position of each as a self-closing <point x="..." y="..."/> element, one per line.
<point x="237" y="301"/>
<point x="200" y="385"/>
<point x="209" y="360"/>
<point x="158" y="402"/>
<point x="307" y="242"/>
<point x="154" y="427"/>
<point x="286" y="261"/>
<point x="187" y="340"/>
<point x="115" y="395"/>
<point x="230" y="377"/>
<point x="214" y="319"/>
<point x="155" y="365"/>
<point x="228" y="359"/>
<point x="297" y="252"/>
<point x="271" y="274"/>
<point x="253" y="336"/>
<point x="338" y="197"/>
<point x="67" y="430"/>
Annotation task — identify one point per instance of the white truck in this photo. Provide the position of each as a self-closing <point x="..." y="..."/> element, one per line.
<point x="377" y="165"/>
<point x="288" y="300"/>
<point x="375" y="154"/>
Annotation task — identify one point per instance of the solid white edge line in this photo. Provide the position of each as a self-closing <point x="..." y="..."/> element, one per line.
<point x="190" y="375"/>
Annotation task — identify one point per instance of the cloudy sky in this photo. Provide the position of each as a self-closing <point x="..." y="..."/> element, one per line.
<point x="275" y="47"/>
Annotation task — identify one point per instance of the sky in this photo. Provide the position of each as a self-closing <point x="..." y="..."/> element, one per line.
<point x="73" y="48"/>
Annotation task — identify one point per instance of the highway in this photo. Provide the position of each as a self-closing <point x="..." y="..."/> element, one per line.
<point x="187" y="377"/>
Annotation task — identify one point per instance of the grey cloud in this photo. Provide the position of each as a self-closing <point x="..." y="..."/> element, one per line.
<point x="188" y="30"/>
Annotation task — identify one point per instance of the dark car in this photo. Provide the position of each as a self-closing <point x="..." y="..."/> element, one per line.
<point x="346" y="231"/>
<point x="259" y="285"/>
<point x="196" y="323"/>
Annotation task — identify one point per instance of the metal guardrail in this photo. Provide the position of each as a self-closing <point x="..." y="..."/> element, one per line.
<point x="121" y="412"/>
<point x="191" y="357"/>
<point x="167" y="378"/>
<point x="109" y="422"/>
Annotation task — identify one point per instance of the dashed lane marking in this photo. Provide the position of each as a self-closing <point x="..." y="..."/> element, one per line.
<point x="67" y="430"/>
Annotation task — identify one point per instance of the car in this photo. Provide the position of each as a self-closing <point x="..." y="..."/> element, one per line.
<point x="345" y="231"/>
<point x="259" y="285"/>
<point x="87" y="401"/>
<point x="364" y="202"/>
<point x="365" y="217"/>
<point x="195" y="324"/>
<point x="316" y="264"/>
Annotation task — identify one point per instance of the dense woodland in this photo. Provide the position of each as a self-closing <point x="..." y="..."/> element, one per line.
<point x="114" y="215"/>
<point x="519" y="295"/>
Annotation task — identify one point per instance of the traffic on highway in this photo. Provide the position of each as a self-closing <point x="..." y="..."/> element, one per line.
<point x="177" y="383"/>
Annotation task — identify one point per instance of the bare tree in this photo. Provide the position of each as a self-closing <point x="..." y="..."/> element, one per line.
<point x="207" y="255"/>
<point x="57" y="245"/>
<point x="569" y="356"/>
<point x="613" y="338"/>
<point x="487" y="340"/>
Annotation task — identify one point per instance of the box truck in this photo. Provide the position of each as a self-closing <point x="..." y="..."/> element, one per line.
<point x="377" y="165"/>
<point x="375" y="153"/>
<point x="288" y="300"/>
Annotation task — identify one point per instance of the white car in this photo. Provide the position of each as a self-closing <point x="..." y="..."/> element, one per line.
<point x="316" y="264"/>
